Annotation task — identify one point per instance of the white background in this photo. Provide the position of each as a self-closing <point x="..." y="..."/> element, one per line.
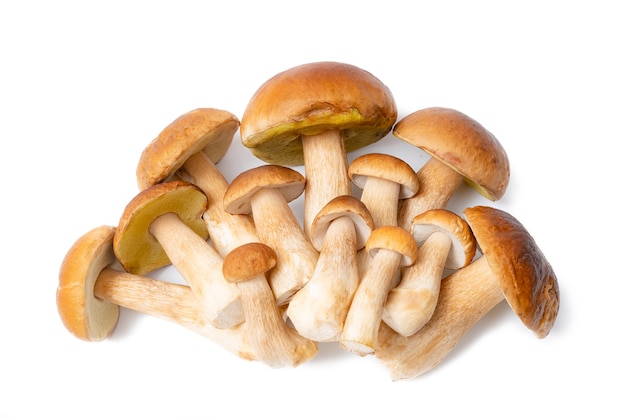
<point x="85" y="86"/>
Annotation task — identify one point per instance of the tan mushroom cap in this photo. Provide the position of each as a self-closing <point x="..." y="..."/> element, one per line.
<point x="461" y="143"/>
<point x="204" y="129"/>
<point x="289" y="182"/>
<point x="341" y="206"/>
<point x="393" y="238"/>
<point x="82" y="313"/>
<point x="463" y="246"/>
<point x="387" y="167"/>
<point x="248" y="261"/>
<point x="137" y="250"/>
<point x="526" y="277"/>
<point x="312" y="98"/>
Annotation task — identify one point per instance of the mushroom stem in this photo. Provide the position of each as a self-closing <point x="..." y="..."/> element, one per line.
<point x="411" y="304"/>
<point x="465" y="297"/>
<point x="381" y="197"/>
<point x="360" y="331"/>
<point x="169" y="301"/>
<point x="326" y="171"/>
<point x="201" y="267"/>
<point x="319" y="309"/>
<point x="227" y="231"/>
<point x="278" y="227"/>
<point x="438" y="182"/>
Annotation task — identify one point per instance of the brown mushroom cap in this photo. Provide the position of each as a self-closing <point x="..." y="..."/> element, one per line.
<point x="248" y="261"/>
<point x="386" y="167"/>
<point x="526" y="277"/>
<point x="312" y="98"/>
<point x="205" y="129"/>
<point x="137" y="250"/>
<point x="393" y="238"/>
<point x="340" y="206"/>
<point x="82" y="313"/>
<point x="461" y="143"/>
<point x="241" y="189"/>
<point x="463" y="246"/>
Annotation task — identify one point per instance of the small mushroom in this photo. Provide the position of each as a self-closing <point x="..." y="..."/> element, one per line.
<point x="339" y="230"/>
<point x="189" y="148"/>
<point x="163" y="224"/>
<point x="391" y="247"/>
<point x="314" y="114"/>
<point x="271" y="339"/>
<point x="460" y="150"/>
<point x="445" y="241"/>
<point x="265" y="192"/>
<point x="511" y="267"/>
<point x="91" y="291"/>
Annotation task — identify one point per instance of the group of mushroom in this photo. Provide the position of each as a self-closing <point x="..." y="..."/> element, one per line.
<point x="388" y="271"/>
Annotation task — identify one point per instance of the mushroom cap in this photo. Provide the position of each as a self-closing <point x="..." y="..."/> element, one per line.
<point x="461" y="143"/>
<point x="526" y="277"/>
<point x="205" y="129"/>
<point x="338" y="207"/>
<point x="137" y="250"/>
<point x="241" y="189"/>
<point x="83" y="314"/>
<point x="463" y="246"/>
<point x="248" y="261"/>
<point x="393" y="238"/>
<point x="386" y="167"/>
<point x="312" y="98"/>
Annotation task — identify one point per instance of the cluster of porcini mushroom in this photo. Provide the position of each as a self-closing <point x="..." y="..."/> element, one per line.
<point x="369" y="272"/>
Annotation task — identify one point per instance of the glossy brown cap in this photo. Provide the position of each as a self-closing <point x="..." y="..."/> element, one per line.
<point x="387" y="167"/>
<point x="248" y="261"/>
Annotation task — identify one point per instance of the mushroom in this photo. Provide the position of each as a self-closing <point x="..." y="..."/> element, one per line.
<point x="445" y="241"/>
<point x="163" y="224"/>
<point x="271" y="339"/>
<point x="314" y="114"/>
<point x="460" y="150"/>
<point x="511" y="267"/>
<point x="265" y="192"/>
<point x="91" y="291"/>
<point x="391" y="247"/>
<point x="189" y="149"/>
<point x="339" y="230"/>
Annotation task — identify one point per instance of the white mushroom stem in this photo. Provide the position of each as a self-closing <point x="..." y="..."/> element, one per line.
<point x="360" y="331"/>
<point x="227" y="231"/>
<point x="326" y="171"/>
<point x="201" y="267"/>
<point x="438" y="182"/>
<point x="168" y="301"/>
<point x="412" y="303"/>
<point x="381" y="196"/>
<point x="319" y="309"/>
<point x="465" y="297"/>
<point x="278" y="227"/>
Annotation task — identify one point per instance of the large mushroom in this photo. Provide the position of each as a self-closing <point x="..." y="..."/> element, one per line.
<point x="163" y="224"/>
<point x="272" y="340"/>
<point x="91" y="291"/>
<point x="445" y="241"/>
<point x="511" y="268"/>
<point x="339" y="230"/>
<point x="460" y="149"/>
<point x="265" y="192"/>
<point x="314" y="114"/>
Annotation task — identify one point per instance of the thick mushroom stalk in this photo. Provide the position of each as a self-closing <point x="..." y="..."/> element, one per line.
<point x="265" y="192"/>
<point x="460" y="150"/>
<point x="319" y="309"/>
<point x="391" y="247"/>
<point x="511" y="267"/>
<point x="445" y="240"/>
<point x="272" y="340"/>
<point x="91" y="291"/>
<point x="314" y="114"/>
<point x="162" y="224"/>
